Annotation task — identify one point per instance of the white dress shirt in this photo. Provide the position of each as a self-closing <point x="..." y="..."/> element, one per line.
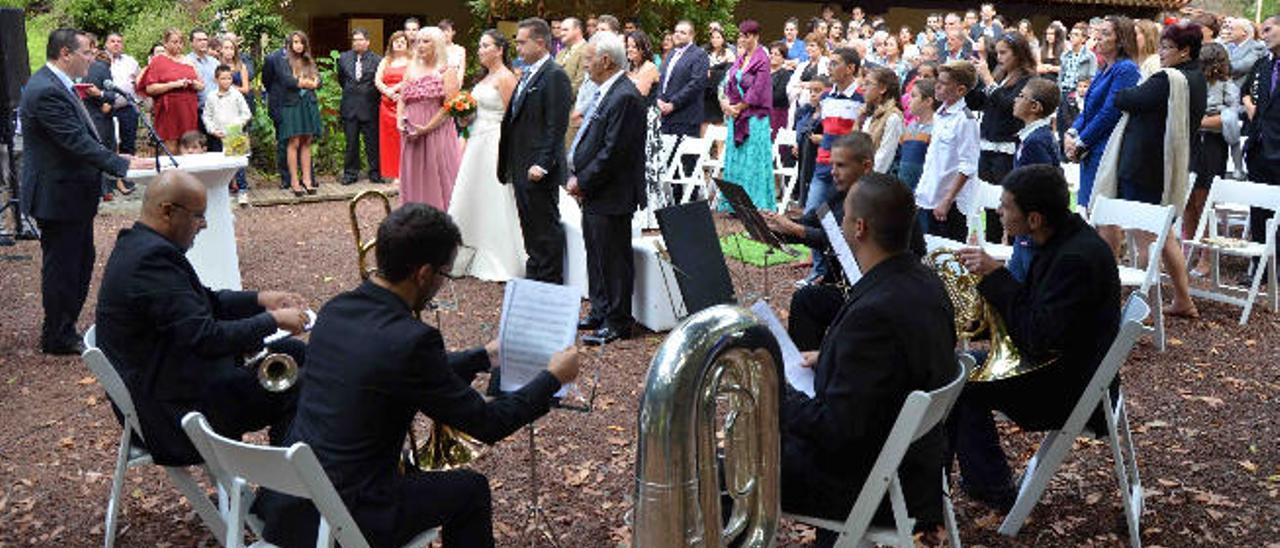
<point x="953" y="150"/>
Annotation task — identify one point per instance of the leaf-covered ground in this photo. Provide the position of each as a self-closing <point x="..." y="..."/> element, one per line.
<point x="1203" y="412"/>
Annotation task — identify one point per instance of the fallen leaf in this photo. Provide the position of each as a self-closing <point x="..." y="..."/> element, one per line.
<point x="86" y="380"/>
<point x="1174" y="341"/>
<point x="1093" y="498"/>
<point x="1249" y="465"/>
<point x="1167" y="483"/>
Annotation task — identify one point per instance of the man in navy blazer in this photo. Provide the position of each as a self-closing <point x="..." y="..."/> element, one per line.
<point x="683" y="80"/>
<point x="606" y="162"/>
<point x="278" y="81"/>
<point x="62" y="182"/>
<point x="1262" y="102"/>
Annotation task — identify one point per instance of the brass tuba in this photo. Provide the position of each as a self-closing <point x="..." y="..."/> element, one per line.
<point x="445" y="447"/>
<point x="975" y="316"/>
<point x="721" y="354"/>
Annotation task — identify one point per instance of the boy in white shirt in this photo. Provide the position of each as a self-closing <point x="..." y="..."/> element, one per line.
<point x="952" y="158"/>
<point x="223" y="109"/>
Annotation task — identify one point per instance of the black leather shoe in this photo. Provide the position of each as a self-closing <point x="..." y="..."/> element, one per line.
<point x="603" y="336"/>
<point x="74" y="348"/>
<point x="375" y="179"/>
<point x="347" y="182"/>
<point x="589" y="324"/>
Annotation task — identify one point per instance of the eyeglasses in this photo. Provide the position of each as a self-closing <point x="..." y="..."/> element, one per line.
<point x="189" y="211"/>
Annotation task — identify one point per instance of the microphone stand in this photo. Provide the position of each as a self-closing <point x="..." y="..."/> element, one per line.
<point x="146" y="122"/>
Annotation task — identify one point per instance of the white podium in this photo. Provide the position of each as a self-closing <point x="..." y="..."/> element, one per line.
<point x="214" y="253"/>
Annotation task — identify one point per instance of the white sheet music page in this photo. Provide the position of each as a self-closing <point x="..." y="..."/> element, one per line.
<point x="841" y="247"/>
<point x="538" y="320"/>
<point x="798" y="376"/>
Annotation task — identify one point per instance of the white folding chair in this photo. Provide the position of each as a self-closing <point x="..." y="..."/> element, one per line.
<point x="131" y="453"/>
<point x="1228" y="195"/>
<point x="695" y="178"/>
<point x="293" y="471"/>
<point x="920" y="413"/>
<point x="988" y="198"/>
<point x="1157" y="220"/>
<point x="715" y="134"/>
<point x="784" y="140"/>
<point x="1053" y="450"/>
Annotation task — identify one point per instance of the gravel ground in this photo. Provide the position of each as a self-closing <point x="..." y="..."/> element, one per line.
<point x="1203" y="413"/>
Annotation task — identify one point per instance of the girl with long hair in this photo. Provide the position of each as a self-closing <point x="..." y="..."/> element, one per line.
<point x="1223" y="97"/>
<point x="881" y="117"/>
<point x="644" y="74"/>
<point x="1015" y="65"/>
<point x="429" y="153"/>
<point x="388" y="79"/>
<point x="300" y="115"/>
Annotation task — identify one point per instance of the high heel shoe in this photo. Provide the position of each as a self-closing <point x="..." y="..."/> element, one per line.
<point x="298" y="192"/>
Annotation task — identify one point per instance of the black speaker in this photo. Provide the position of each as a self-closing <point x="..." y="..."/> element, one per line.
<point x="690" y="237"/>
<point x="14" y="68"/>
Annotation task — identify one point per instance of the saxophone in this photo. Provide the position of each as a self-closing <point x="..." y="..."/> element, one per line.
<point x="720" y="355"/>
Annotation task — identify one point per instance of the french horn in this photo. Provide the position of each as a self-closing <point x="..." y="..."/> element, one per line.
<point x="974" y="316"/>
<point x="445" y="447"/>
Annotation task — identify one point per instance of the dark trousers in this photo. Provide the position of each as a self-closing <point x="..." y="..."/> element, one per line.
<point x="241" y="405"/>
<point x="992" y="168"/>
<point x="66" y="268"/>
<point x="975" y="443"/>
<point x="458" y="501"/>
<point x="539" y="207"/>
<point x="953" y="228"/>
<point x="611" y="270"/>
<point x="127" y="117"/>
<point x="354" y="129"/>
<point x="282" y="148"/>
<point x="813" y="308"/>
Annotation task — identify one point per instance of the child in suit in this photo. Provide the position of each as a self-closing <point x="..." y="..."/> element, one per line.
<point x="1037" y="144"/>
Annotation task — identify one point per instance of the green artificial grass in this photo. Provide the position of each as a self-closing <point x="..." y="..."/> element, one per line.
<point x="739" y="246"/>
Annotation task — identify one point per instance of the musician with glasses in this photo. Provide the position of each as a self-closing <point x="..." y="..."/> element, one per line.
<point x="894" y="334"/>
<point x="1066" y="310"/>
<point x="373" y="365"/>
<point x="178" y="345"/>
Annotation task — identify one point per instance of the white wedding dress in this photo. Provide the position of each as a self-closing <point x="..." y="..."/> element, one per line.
<point x="483" y="208"/>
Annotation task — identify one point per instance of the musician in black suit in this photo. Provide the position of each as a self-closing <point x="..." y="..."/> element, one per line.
<point x="606" y="162"/>
<point x="62" y="170"/>
<point x="894" y="334"/>
<point x="531" y="151"/>
<point x="682" y="83"/>
<point x="1067" y="310"/>
<point x="1262" y="102"/>
<point x="178" y="345"/>
<point x="359" y="109"/>
<point x="280" y="86"/>
<point x="372" y="366"/>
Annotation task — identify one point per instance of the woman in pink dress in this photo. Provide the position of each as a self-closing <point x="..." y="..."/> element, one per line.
<point x="429" y="151"/>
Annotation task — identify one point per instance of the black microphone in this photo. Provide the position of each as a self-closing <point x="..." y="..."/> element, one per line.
<point x="108" y="85"/>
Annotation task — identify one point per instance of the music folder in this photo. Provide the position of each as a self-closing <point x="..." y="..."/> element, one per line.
<point x="538" y="320"/>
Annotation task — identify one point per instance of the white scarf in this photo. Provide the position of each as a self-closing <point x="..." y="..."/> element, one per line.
<point x="1177" y="146"/>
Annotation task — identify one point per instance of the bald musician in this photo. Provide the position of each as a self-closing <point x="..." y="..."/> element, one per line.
<point x="893" y="334"/>
<point x="178" y="345"/>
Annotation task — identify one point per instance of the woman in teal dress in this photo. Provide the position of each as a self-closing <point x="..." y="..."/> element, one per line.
<point x="300" y="114"/>
<point x="748" y="156"/>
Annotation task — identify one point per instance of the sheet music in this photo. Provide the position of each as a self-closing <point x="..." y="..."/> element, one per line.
<point x="840" y="245"/>
<point x="538" y="320"/>
<point x="798" y="376"/>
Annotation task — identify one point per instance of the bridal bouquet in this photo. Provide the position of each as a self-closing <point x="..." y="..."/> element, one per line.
<point x="462" y="108"/>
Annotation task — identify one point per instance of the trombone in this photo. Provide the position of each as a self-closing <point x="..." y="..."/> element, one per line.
<point x="364" y="247"/>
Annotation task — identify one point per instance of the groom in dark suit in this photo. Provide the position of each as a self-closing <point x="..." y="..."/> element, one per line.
<point x="359" y="108"/>
<point x="606" y="165"/>
<point x="62" y="182"/>
<point x="277" y="81"/>
<point x="531" y="151"/>
<point x="683" y="80"/>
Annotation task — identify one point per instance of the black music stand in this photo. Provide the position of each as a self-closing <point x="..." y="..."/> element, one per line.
<point x="756" y="227"/>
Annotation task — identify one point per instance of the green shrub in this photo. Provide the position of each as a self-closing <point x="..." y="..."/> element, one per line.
<point x="332" y="144"/>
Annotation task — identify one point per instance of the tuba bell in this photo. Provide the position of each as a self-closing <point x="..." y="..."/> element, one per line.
<point x="975" y="316"/>
<point x="720" y="354"/>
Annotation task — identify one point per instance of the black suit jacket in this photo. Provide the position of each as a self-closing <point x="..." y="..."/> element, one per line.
<point x="1262" y="149"/>
<point x="359" y="97"/>
<point x="99" y="73"/>
<point x="372" y="366"/>
<point x="176" y="343"/>
<point x="684" y="87"/>
<point x="1143" y="140"/>
<point x="62" y="163"/>
<point x="609" y="161"/>
<point x="894" y="334"/>
<point x="534" y="126"/>
<point x="1068" y="310"/>
<point x="279" y="83"/>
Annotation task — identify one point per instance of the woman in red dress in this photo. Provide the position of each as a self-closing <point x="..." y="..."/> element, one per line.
<point x="171" y="82"/>
<point x="390" y="74"/>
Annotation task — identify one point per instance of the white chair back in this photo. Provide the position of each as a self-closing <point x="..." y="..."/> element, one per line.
<point x="293" y="471"/>
<point x="1231" y="192"/>
<point x="1129" y="215"/>
<point x="716" y="133"/>
<point x="110" y="380"/>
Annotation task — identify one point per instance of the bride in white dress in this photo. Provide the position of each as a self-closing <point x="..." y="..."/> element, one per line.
<point x="483" y="208"/>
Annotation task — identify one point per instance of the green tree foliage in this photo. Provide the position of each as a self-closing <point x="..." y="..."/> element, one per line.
<point x="331" y="144"/>
<point x="251" y="20"/>
<point x="656" y="16"/>
<point x="103" y="16"/>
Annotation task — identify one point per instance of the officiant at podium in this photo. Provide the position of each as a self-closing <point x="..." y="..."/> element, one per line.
<point x="372" y="365"/>
<point x="606" y="167"/>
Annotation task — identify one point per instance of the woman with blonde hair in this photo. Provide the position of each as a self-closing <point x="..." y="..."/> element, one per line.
<point x="388" y="79"/>
<point x="1148" y="35"/>
<point x="429" y="153"/>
